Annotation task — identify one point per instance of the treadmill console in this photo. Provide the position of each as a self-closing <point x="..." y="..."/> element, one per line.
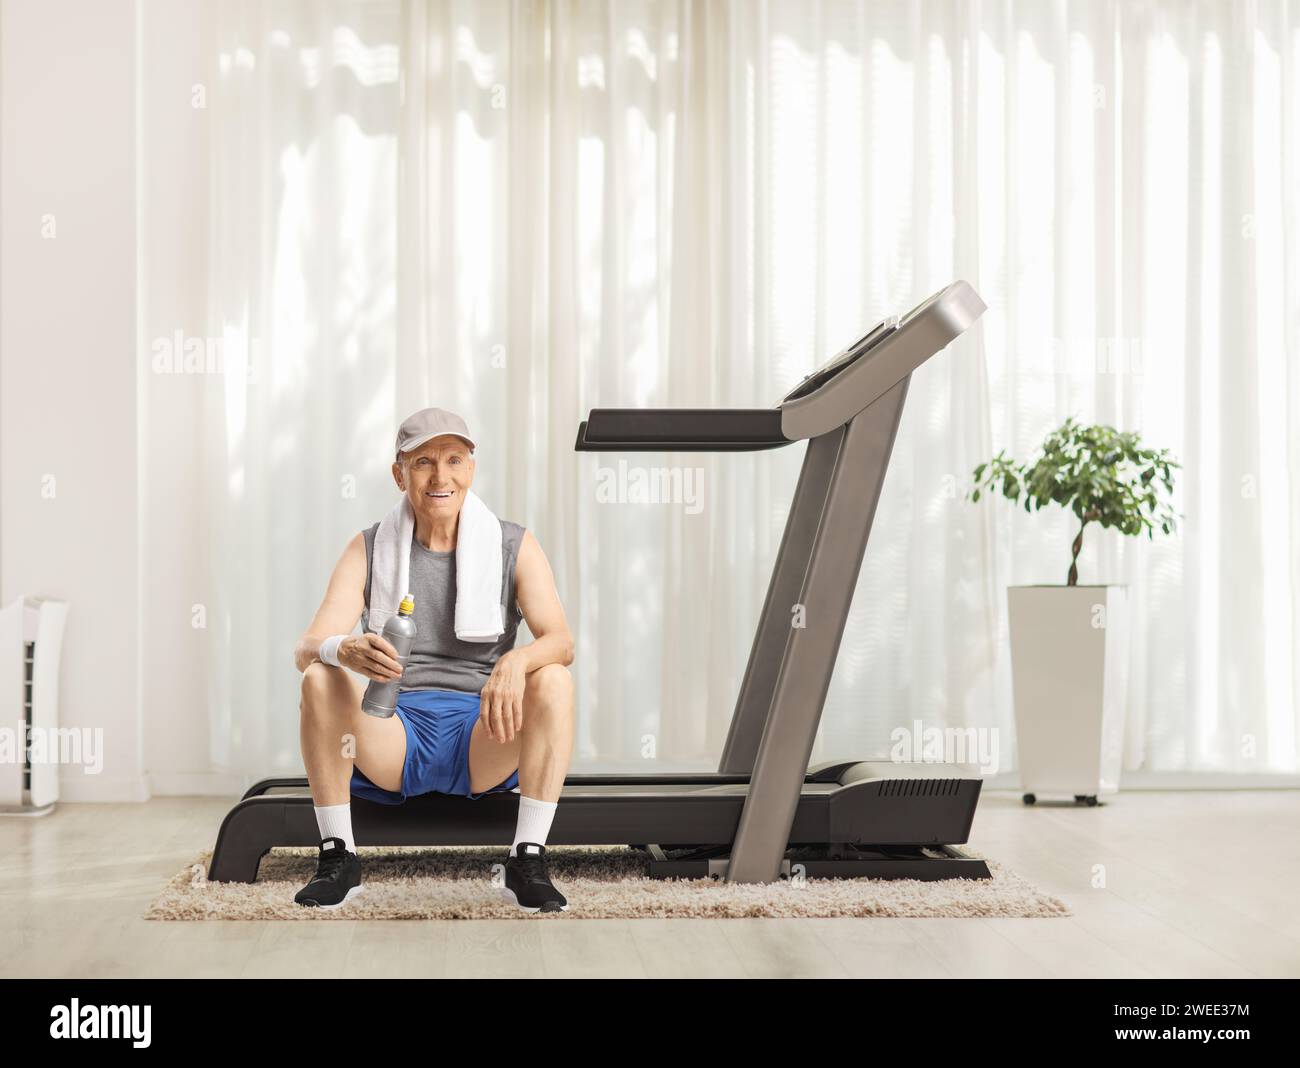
<point x="843" y="359"/>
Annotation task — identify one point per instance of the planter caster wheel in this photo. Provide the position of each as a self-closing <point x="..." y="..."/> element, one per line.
<point x="1091" y="801"/>
<point x="1029" y="799"/>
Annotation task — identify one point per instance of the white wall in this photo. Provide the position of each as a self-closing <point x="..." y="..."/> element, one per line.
<point x="68" y="357"/>
<point x="178" y="80"/>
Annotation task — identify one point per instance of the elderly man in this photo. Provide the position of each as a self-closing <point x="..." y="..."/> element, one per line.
<point x="472" y="717"/>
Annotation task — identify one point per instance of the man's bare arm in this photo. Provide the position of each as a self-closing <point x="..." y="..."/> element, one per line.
<point x="501" y="701"/>
<point x="540" y="603"/>
<point x="345" y="597"/>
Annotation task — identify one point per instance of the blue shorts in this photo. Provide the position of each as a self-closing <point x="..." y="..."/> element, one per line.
<point x="438" y="727"/>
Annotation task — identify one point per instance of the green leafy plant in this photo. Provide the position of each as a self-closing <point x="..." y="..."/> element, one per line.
<point x="1099" y="474"/>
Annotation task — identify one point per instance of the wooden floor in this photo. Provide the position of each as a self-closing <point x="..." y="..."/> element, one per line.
<point x="1195" y="884"/>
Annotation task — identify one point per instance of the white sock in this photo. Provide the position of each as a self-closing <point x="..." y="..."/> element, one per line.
<point x="335" y="821"/>
<point x="534" y="821"/>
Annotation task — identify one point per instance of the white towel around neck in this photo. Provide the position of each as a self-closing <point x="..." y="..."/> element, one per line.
<point x="478" y="569"/>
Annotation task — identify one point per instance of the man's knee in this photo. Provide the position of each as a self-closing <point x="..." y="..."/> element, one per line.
<point x="318" y="689"/>
<point x="551" y="687"/>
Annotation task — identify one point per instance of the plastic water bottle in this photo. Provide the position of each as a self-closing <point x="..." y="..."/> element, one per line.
<point x="399" y="631"/>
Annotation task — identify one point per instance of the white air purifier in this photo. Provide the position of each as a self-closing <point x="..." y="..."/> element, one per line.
<point x="31" y="636"/>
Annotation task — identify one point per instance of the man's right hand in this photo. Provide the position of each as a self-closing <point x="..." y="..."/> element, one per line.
<point x="370" y="655"/>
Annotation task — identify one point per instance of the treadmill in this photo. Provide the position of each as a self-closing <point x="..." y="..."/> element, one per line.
<point x="764" y="814"/>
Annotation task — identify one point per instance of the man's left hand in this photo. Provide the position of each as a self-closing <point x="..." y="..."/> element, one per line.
<point x="501" y="702"/>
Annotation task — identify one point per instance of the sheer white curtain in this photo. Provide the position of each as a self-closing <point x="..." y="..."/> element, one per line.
<point x="304" y="115"/>
<point x="693" y="204"/>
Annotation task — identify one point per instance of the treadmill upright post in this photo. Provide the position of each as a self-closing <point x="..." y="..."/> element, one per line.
<point x="773" y="631"/>
<point x="857" y="458"/>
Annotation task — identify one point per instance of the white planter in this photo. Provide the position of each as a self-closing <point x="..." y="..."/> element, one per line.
<point x="1069" y="673"/>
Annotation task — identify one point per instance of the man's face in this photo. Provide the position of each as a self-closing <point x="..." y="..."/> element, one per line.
<point x="436" y="476"/>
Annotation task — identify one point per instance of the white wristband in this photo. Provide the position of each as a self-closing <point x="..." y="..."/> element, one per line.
<point x="329" y="649"/>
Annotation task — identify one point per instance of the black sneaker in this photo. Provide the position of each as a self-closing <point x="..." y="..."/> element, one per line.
<point x="337" y="879"/>
<point x="528" y="884"/>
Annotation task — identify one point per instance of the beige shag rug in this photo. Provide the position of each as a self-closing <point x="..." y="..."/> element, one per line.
<point x="600" y="883"/>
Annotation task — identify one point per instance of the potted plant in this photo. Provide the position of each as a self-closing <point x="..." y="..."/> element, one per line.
<point x="1069" y="654"/>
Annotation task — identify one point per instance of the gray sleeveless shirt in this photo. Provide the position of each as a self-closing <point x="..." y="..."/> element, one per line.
<point x="439" y="660"/>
